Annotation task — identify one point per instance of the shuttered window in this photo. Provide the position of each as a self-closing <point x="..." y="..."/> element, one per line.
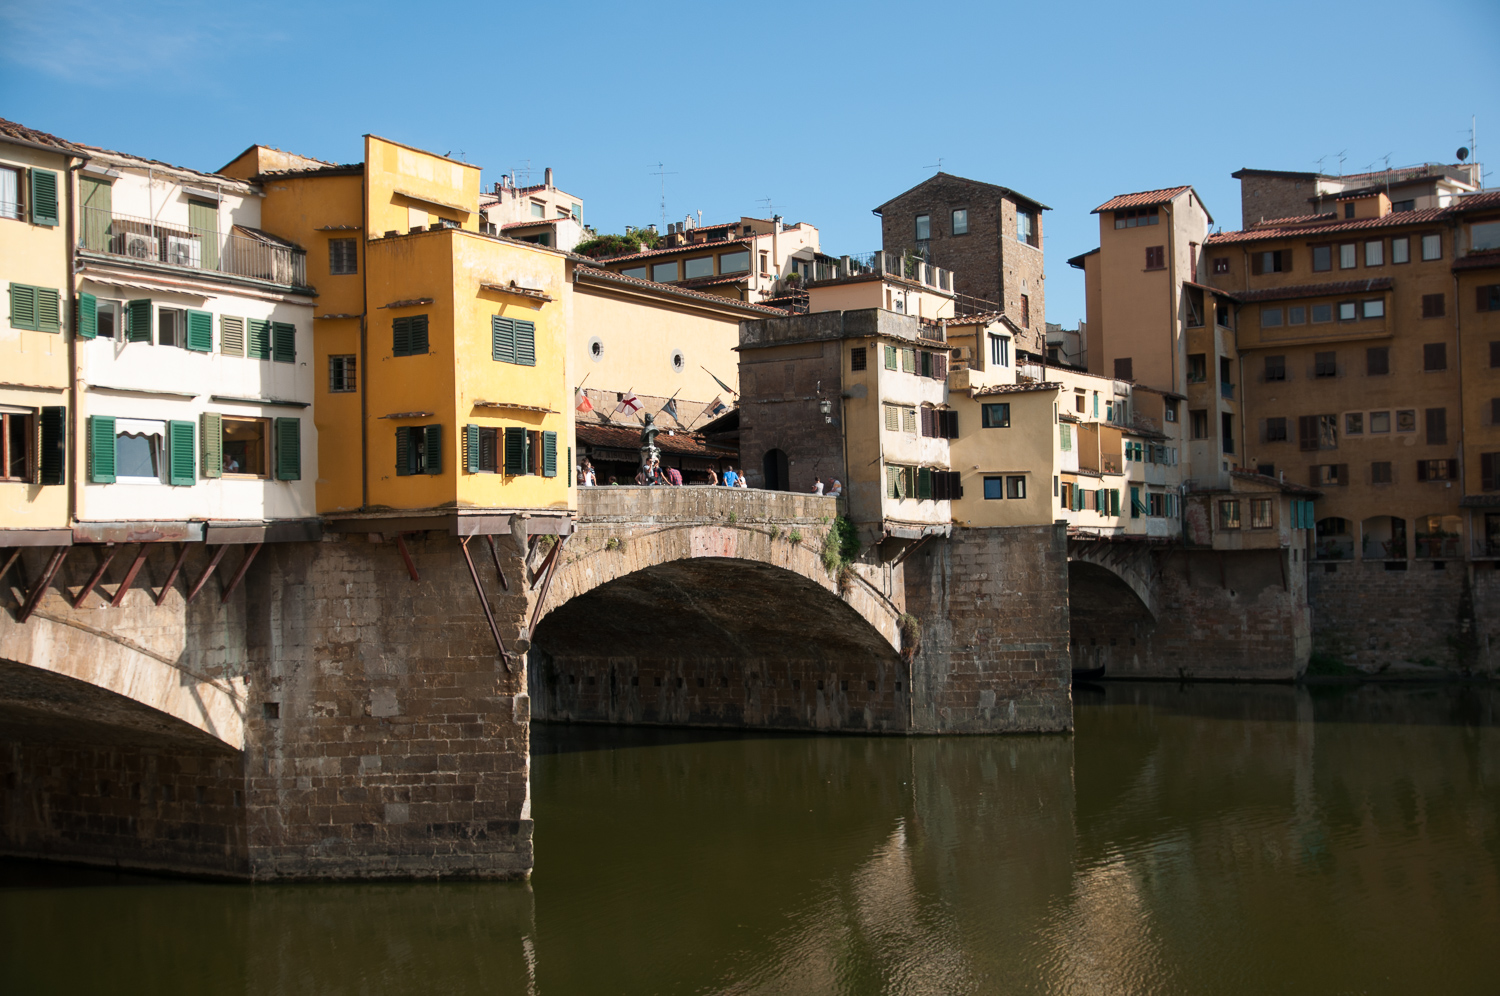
<point x="258" y="339"/>
<point x="471" y="448"/>
<point x="1437" y="425"/>
<point x="52" y="461"/>
<point x="908" y="361"/>
<point x="909" y="420"/>
<point x="432" y="449"/>
<point x="1489" y="464"/>
<point x="86" y="320"/>
<point x="516" y="461"/>
<point x="200" y="331"/>
<point x="35" y="308"/>
<point x="283" y="342"/>
<point x="288" y="449"/>
<point x="181" y="454"/>
<point x="404" y="452"/>
<point x="101" y="449"/>
<point x="549" y="454"/>
<point x="924" y="483"/>
<point x="43" y="197"/>
<point x="231" y="335"/>
<point x="409" y="335"/>
<point x="343" y="256"/>
<point x="890" y="357"/>
<point x="513" y="341"/>
<point x="211" y="430"/>
<point x="138" y="321"/>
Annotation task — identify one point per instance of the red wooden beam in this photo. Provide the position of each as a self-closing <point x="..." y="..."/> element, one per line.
<point x="48" y="573"/>
<point x="484" y="601"/>
<point x="239" y="575"/>
<point x="10" y="561"/>
<point x="545" y="571"/>
<point x="223" y="549"/>
<point x="172" y="574"/>
<point x="135" y="568"/>
<point x="95" y="578"/>
<point x="410" y="567"/>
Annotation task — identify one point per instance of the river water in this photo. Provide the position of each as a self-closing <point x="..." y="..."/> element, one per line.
<point x="1187" y="839"/>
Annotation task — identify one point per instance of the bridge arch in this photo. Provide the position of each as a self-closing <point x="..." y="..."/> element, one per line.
<point x="1112" y="602"/>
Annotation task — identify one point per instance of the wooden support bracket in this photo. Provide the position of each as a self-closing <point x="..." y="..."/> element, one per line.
<point x="10" y="562"/>
<point x="96" y="577"/>
<point x="239" y="575"/>
<point x="496" y="555"/>
<point x="545" y="570"/>
<point x="411" y="568"/>
<point x="135" y="568"/>
<point x="484" y="601"/>
<point x="541" y="599"/>
<point x="207" y="573"/>
<point x="48" y="573"/>
<point x="172" y="574"/>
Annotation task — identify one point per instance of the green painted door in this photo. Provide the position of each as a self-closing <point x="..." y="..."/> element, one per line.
<point x="98" y="203"/>
<point x="203" y="219"/>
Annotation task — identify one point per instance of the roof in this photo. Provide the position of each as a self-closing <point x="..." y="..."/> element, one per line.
<point x="940" y="175"/>
<point x="15" y="132"/>
<point x="1144" y="198"/>
<point x="985" y="392"/>
<point x="1286" y="487"/>
<point x="425" y="152"/>
<point x="332" y="169"/>
<point x="1314" y="290"/>
<point x="533" y="222"/>
<point x="1396" y="219"/>
<point x="590" y="272"/>
<point x="1077" y="261"/>
<point x="1296" y="219"/>
<point x="1403" y="173"/>
<point x="688" y="247"/>
<point x="1484" y="200"/>
<point x="1210" y="288"/>
<point x="1484" y="259"/>
<point x="139" y="162"/>
<point x="262" y="236"/>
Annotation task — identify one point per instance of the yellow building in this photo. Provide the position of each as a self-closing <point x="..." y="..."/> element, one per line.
<point x="445" y="349"/>
<point x="35" y="342"/>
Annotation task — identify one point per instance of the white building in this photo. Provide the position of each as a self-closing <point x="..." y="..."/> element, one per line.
<point x="540" y="213"/>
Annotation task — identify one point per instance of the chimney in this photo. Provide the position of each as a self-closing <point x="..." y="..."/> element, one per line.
<point x="549" y="176"/>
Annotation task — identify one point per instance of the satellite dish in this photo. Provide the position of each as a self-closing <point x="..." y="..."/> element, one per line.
<point x="1463" y="154"/>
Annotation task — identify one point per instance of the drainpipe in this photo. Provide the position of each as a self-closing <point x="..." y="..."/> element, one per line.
<point x="364" y="337"/>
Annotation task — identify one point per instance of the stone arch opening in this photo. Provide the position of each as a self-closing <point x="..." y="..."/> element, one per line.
<point x="1335" y="539"/>
<point x="716" y="641"/>
<point x="1109" y="623"/>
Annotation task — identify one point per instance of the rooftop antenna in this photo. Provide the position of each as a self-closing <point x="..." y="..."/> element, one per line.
<point x="663" y="172"/>
<point x="1342" y="157"/>
<point x="937" y="165"/>
<point x="522" y="173"/>
<point x="770" y="210"/>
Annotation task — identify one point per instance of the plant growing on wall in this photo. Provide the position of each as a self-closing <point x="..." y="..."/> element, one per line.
<point x="604" y="246"/>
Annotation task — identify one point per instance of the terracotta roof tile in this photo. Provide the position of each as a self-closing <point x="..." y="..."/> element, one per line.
<point x="1299" y="219"/>
<point x="21" y="133"/>
<point x="532" y="222"/>
<point x="627" y="438"/>
<point x="690" y="247"/>
<point x="1314" y="290"/>
<point x="1144" y="198"/>
<point x="1484" y="259"/>
<point x="1485" y="200"/>
<point x="985" y="392"/>
<point x="1396" y="220"/>
<point x="599" y="273"/>
<point x="329" y="169"/>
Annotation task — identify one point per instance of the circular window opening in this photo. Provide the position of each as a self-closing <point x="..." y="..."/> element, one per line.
<point x="679" y="362"/>
<point x="596" y="348"/>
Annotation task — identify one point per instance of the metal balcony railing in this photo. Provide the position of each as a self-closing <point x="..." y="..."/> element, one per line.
<point x="889" y="262"/>
<point x="192" y="248"/>
<point x="1226" y="390"/>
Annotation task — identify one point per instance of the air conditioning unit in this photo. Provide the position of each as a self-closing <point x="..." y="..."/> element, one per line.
<point x="184" y="252"/>
<point x="139" y="245"/>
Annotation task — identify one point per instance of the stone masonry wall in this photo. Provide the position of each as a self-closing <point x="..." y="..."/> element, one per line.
<point x="992" y="606"/>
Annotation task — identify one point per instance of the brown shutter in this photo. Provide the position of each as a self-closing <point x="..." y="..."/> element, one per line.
<point x="940" y="366"/>
<point x="1421" y="470"/>
<point x="1452" y="470"/>
<point x="1314" y="477"/>
<point x="1482" y="303"/>
<point x="1307" y="432"/>
<point x="1341" y="473"/>
<point x="1437" y="425"/>
<point x="1286" y="261"/>
<point x="1487" y="472"/>
<point x="1257" y="261"/>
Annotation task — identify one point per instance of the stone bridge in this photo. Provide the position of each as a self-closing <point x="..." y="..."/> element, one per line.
<point x="360" y="706"/>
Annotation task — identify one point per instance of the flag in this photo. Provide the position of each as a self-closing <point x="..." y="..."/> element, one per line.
<point x="720" y="382"/>
<point x="629" y="404"/>
<point x="717" y="406"/>
<point x="670" y="408"/>
<point x="582" y="403"/>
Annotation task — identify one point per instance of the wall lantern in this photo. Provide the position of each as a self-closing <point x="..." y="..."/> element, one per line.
<point x="826" y="407"/>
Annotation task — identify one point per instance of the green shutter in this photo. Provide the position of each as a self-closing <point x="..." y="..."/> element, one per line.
<point x="526" y="343"/>
<point x="283" y="342"/>
<point x="1135" y="503"/>
<point x="48" y="310"/>
<point x="138" y="321"/>
<point x="200" y="331"/>
<point x="433" y="451"/>
<point x="1114" y="501"/>
<point x="502" y="340"/>
<point x="96" y="198"/>
<point x="401" y="337"/>
<point x="258" y="342"/>
<point x="86" y="324"/>
<point x="403" y="451"/>
<point x="549" y="454"/>
<point x="515" y="451"/>
<point x="180" y="454"/>
<point x="212" y="431"/>
<point x="924" y="482"/>
<point x="43" y="197"/>
<point x="101" y="449"/>
<point x="53" y="458"/>
<point x="203" y="221"/>
<point x="289" y="449"/>
<point x="471" y="448"/>
<point x="418" y="335"/>
<point x="890" y="357"/>
<point x="22" y="306"/>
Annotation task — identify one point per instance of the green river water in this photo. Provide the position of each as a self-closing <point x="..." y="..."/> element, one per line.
<point x="1187" y="839"/>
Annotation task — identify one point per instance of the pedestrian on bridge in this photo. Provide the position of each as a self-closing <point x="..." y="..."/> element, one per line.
<point x="730" y="477"/>
<point x="837" y="489"/>
<point x="817" y="485"/>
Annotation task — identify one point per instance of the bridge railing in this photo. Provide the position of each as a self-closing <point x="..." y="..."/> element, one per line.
<point x="701" y="504"/>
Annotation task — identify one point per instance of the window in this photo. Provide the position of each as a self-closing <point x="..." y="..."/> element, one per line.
<point x="1407" y="205"/>
<point x="1373" y="308"/>
<point x="1437" y="470"/>
<point x="1347" y="259"/>
<point x="1199" y="417"/>
<point x="1377" y="361"/>
<point x="1221" y="264"/>
<point x="1322" y="258"/>
<point x="1437" y="426"/>
<point x="1026" y="311"/>
<point x="1401" y="250"/>
<point x="890" y="357"/>
<point x="512" y="340"/>
<point x="765" y="264"/>
<point x="343" y="257"/>
<point x="1065" y="437"/>
<point x="939" y="423"/>
<point x="995" y="416"/>
<point x="170" y="329"/>
<point x="1322" y="313"/>
<point x="698" y="266"/>
<point x="960" y="221"/>
<point x="1296" y="315"/>
<point x="735" y="262"/>
<point x="36" y="308"/>
<point x="1318" y="432"/>
<point x="1435" y="356"/>
<point x="638" y="272"/>
<point x="908" y="360"/>
<point x="1276" y="430"/>
<point x="1123" y="368"/>
<point x="1226" y="424"/>
<point x="1375" y="253"/>
<point x="664" y="273"/>
<point x="419" y="449"/>
<point x="1380" y="472"/>
<point x="1026" y="227"/>
<point x="1080" y="404"/>
<point x="1433" y="305"/>
<point x="994" y="488"/>
<point x="1275" y="261"/>
<point x="231" y="335"/>
<point x="577" y="214"/>
<point x="1334" y="474"/>
<point x="1489" y="465"/>
<point x="10" y="192"/>
<point x="1432" y="247"/>
<point x="1354" y="424"/>
<point x="898" y="482"/>
<point x="1485" y="236"/>
<point x="481" y="449"/>
<point x="1229" y="513"/>
<point x="1348" y="311"/>
<point x="245" y="445"/>
<point x="1270" y="317"/>
<point x="1000" y="350"/>
<point x="1380" y="422"/>
<point x="1224" y="314"/>
<point x="1275" y="367"/>
<point x="1487" y="298"/>
<point x="1260" y="513"/>
<point x="1137" y="217"/>
<point x="909" y="420"/>
<point x="106" y="319"/>
<point x="857" y="358"/>
<point x="1169" y="410"/>
<point x="15" y="445"/>
<point x="408" y="335"/>
<point x="1015" y="486"/>
<point x="1349" y="210"/>
<point x="924" y="227"/>
<point x="538" y="209"/>
<point x="1325" y="364"/>
<point x="341" y="374"/>
<point x="139" y="450"/>
<point x="1406" y="420"/>
<point x="1156" y="257"/>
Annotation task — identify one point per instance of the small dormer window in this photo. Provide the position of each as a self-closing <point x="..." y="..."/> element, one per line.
<point x="1349" y="209"/>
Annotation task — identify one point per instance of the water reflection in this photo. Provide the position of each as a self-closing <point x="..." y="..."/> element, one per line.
<point x="1187" y="839"/>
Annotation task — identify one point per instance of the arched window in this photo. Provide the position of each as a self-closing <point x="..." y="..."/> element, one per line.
<point x="1335" y="540"/>
<point x="1383" y="538"/>
<point x="773" y="465"/>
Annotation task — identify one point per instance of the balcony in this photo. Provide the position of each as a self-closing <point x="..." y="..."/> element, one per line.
<point x="1226" y="390"/>
<point x="247" y="252"/>
<point x="894" y="263"/>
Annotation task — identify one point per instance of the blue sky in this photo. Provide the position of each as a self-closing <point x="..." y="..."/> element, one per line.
<point x="825" y="109"/>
